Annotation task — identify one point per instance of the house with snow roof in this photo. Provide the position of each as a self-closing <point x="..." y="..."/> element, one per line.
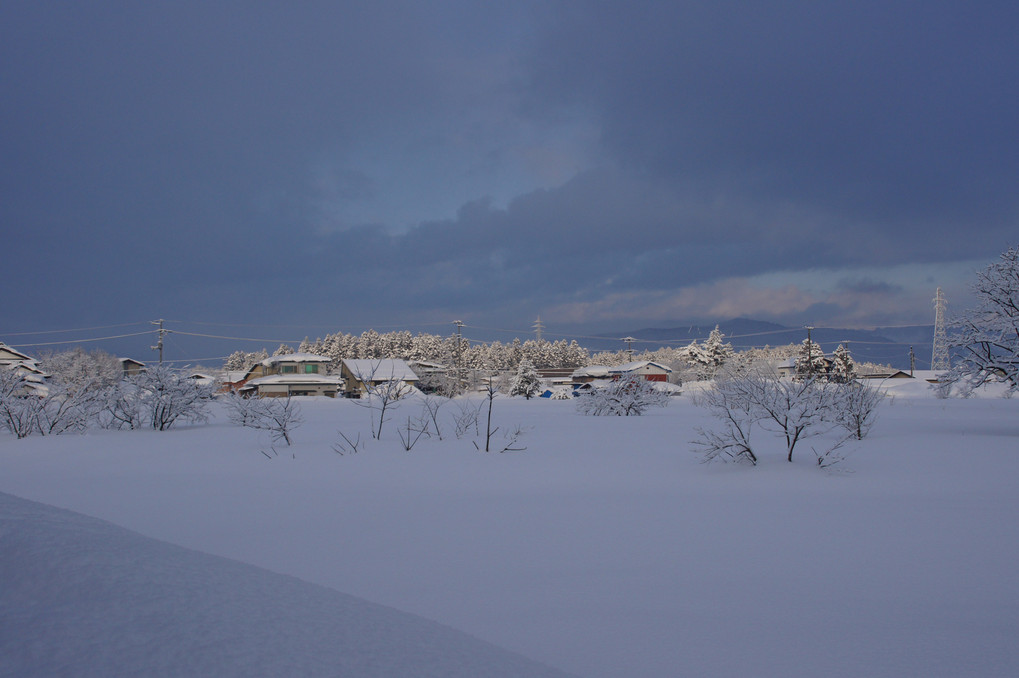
<point x="645" y="369"/>
<point x="360" y="375"/>
<point x="32" y="379"/>
<point x="293" y="374"/>
<point x="10" y="356"/>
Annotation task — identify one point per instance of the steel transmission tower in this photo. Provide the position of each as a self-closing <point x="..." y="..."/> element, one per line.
<point x="940" y="359"/>
<point x="538" y="327"/>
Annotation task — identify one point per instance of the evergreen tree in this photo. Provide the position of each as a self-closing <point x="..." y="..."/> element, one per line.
<point x="810" y="362"/>
<point x="843" y="369"/>
<point x="526" y="382"/>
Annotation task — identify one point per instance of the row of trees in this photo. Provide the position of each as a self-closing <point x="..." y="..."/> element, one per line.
<point x="75" y="398"/>
<point x="449" y="351"/>
<point x="793" y="409"/>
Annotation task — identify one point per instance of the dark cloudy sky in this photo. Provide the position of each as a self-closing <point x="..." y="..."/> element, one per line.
<point x="348" y="164"/>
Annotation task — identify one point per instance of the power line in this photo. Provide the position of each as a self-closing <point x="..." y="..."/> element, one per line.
<point x="77" y="329"/>
<point x="216" y="336"/>
<point x="82" y="341"/>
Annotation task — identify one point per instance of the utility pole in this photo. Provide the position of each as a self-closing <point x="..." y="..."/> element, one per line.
<point x="912" y="361"/>
<point x="459" y="327"/>
<point x="538" y="327"/>
<point x="810" y="353"/>
<point x="629" y="346"/>
<point x="159" y="343"/>
<point x="940" y="359"/>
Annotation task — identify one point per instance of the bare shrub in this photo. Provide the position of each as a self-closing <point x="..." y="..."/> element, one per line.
<point x="278" y="416"/>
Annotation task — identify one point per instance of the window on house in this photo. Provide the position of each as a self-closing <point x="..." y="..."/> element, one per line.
<point x="289" y="369"/>
<point x="311" y="369"/>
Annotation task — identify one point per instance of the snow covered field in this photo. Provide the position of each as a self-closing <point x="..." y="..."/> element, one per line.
<point x="604" y="549"/>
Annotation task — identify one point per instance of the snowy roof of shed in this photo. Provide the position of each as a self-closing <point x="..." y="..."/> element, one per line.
<point x="591" y="371"/>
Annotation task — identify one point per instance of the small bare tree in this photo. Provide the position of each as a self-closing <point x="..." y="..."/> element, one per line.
<point x="18" y="403"/>
<point x="381" y="394"/>
<point x="466" y="417"/>
<point x="794" y="409"/>
<point x="727" y="402"/>
<point x="278" y="416"/>
<point x="431" y="405"/>
<point x="856" y="407"/>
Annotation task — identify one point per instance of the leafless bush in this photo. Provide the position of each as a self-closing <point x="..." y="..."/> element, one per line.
<point x="795" y="410"/>
<point x="348" y="446"/>
<point x="727" y="401"/>
<point x="278" y="416"/>
<point x="466" y="417"/>
<point x="431" y="405"/>
<point x="415" y="429"/>
<point x="857" y="407"/>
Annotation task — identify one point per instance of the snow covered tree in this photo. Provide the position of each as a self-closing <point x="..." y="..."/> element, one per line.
<point x="526" y="382"/>
<point x="242" y="360"/>
<point x="78" y="368"/>
<point x="18" y="404"/>
<point x="795" y="410"/>
<point x="278" y="416"/>
<point x="810" y="361"/>
<point x="856" y="407"/>
<point x="630" y="396"/>
<point x="165" y="396"/>
<point x="843" y="369"/>
<point x="987" y="337"/>
<point x="711" y="356"/>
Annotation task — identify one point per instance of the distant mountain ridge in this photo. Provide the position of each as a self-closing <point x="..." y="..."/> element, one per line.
<point x="883" y="345"/>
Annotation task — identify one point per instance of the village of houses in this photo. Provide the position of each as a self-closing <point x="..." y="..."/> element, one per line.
<point x="299" y="374"/>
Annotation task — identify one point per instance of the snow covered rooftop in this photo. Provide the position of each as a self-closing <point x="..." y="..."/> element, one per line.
<point x="637" y="365"/>
<point x="294" y="379"/>
<point x="595" y="371"/>
<point x="385" y="369"/>
<point x="296" y="358"/>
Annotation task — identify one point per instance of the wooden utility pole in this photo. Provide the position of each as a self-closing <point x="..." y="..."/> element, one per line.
<point x="629" y="346"/>
<point x="810" y="353"/>
<point x="459" y="376"/>
<point x="159" y="343"/>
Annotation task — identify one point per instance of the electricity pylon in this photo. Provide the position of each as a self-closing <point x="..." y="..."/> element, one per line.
<point x="939" y="358"/>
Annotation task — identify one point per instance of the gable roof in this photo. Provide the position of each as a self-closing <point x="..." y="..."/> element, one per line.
<point x="380" y="369"/>
<point x="638" y="365"/>
<point x="9" y="354"/>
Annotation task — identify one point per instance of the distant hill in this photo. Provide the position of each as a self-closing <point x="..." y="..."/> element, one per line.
<point x="889" y="345"/>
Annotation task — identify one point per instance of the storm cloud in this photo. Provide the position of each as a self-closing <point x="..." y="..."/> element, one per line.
<point x="367" y="163"/>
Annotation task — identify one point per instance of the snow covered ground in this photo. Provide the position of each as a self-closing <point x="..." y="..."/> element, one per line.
<point x="604" y="549"/>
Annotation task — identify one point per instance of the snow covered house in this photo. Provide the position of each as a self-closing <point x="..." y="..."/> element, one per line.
<point x="649" y="370"/>
<point x="10" y="356"/>
<point x="294" y="374"/>
<point x="585" y="375"/>
<point x="130" y="367"/>
<point x="32" y="379"/>
<point x="361" y="374"/>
